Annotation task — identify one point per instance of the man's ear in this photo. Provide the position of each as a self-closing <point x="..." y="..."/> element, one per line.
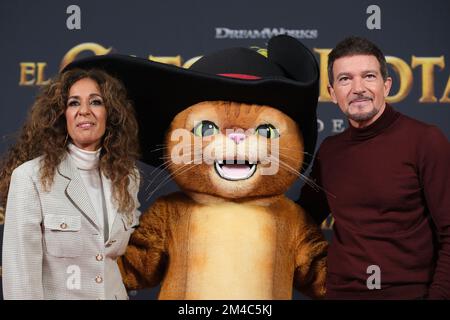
<point x="332" y="94"/>
<point x="387" y="86"/>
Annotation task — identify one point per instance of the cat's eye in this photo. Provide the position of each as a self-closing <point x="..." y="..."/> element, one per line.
<point x="205" y="128"/>
<point x="268" y="131"/>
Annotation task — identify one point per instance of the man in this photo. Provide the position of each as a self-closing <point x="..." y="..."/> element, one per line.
<point x="386" y="181"/>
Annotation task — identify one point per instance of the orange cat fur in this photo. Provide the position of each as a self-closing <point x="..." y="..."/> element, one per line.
<point x="229" y="239"/>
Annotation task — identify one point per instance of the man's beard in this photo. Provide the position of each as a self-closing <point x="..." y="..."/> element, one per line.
<point x="364" y="116"/>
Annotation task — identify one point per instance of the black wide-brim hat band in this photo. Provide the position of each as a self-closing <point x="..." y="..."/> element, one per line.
<point x="288" y="79"/>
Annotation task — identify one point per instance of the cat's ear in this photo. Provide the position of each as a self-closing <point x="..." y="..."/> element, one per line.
<point x="296" y="60"/>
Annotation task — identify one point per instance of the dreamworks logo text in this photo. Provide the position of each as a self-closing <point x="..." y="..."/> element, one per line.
<point x="264" y="33"/>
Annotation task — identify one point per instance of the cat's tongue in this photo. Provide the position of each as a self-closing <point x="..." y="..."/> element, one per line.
<point x="235" y="171"/>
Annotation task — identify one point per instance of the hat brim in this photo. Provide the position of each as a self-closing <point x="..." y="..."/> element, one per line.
<point x="161" y="91"/>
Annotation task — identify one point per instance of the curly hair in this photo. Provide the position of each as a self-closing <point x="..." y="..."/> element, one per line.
<point x="45" y="134"/>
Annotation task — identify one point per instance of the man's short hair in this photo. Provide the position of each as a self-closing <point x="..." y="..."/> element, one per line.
<point x="356" y="46"/>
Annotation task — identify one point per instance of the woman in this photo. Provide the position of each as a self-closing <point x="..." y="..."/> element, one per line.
<point x="70" y="187"/>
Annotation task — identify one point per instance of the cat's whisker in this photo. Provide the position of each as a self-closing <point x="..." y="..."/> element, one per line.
<point x="305" y="153"/>
<point x="165" y="165"/>
<point x="195" y="152"/>
<point x="307" y="180"/>
<point x="162" y="169"/>
<point x="281" y="154"/>
<point x="292" y="158"/>
<point x="285" y="165"/>
<point x="298" y="174"/>
<point x="303" y="165"/>
<point x="143" y="177"/>
<point x="295" y="149"/>
<point x="144" y="174"/>
<point x="161" y="144"/>
<point x="158" y="149"/>
<point x="158" y="167"/>
<point x="170" y="176"/>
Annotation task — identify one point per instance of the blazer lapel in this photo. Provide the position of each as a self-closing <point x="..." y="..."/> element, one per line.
<point x="110" y="208"/>
<point x="76" y="191"/>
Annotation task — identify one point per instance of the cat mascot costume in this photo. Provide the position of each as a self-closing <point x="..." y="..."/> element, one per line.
<point x="238" y="129"/>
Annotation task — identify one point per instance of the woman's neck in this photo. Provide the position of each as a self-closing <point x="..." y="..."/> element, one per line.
<point x="83" y="159"/>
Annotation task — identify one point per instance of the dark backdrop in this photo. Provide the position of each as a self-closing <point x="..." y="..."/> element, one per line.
<point x="35" y="41"/>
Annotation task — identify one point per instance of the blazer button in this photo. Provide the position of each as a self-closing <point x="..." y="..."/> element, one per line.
<point x="98" y="279"/>
<point x="99" y="257"/>
<point x="63" y="225"/>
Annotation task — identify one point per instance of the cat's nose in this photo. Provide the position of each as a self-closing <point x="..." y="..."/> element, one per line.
<point x="237" y="137"/>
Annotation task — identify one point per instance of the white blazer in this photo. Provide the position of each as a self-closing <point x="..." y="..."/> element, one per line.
<point x="52" y="245"/>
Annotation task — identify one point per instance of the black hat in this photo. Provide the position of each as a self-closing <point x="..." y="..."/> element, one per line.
<point x="288" y="79"/>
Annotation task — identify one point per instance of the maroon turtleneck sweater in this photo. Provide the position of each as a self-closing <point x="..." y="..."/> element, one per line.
<point x="388" y="187"/>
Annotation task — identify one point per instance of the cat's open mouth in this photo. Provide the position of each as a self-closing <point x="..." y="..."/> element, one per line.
<point x="235" y="170"/>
